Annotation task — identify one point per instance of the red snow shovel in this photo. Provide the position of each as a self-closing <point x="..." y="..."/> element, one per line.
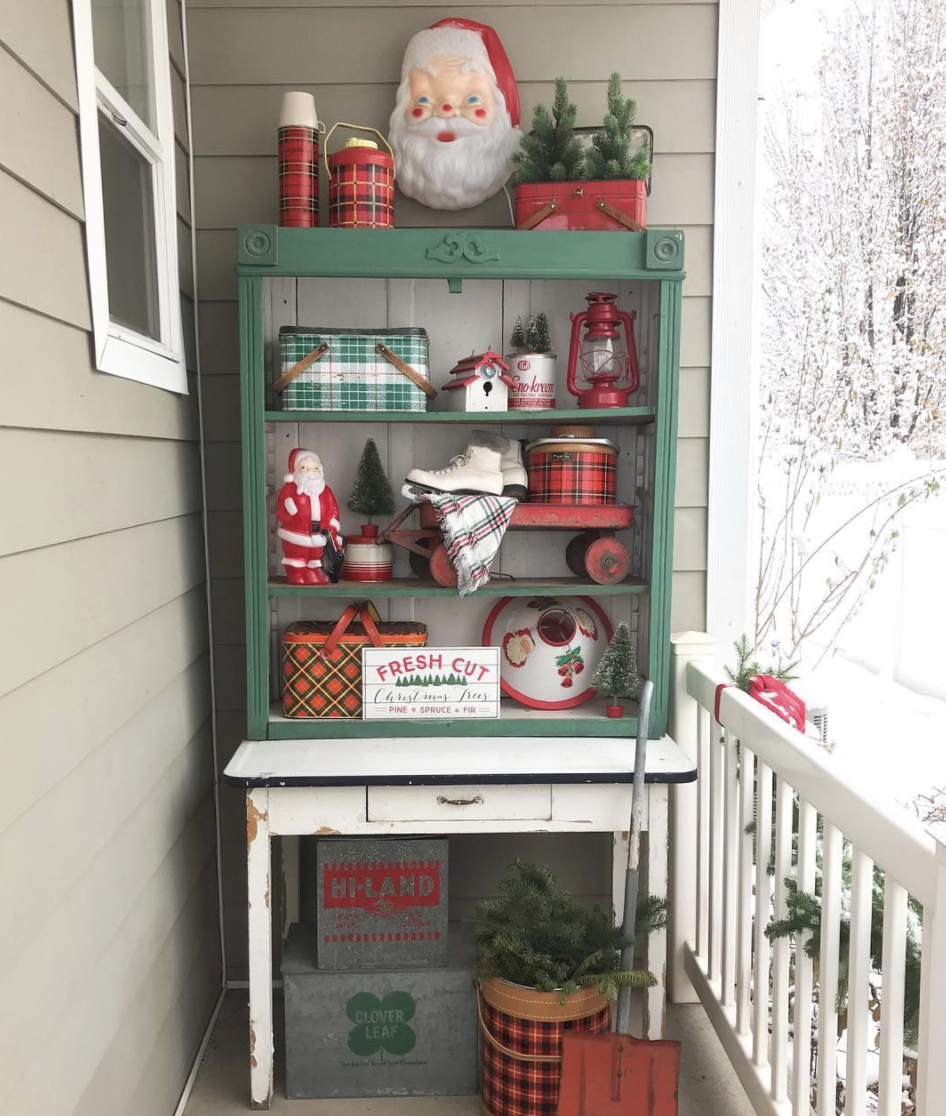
<point x="616" y="1075"/>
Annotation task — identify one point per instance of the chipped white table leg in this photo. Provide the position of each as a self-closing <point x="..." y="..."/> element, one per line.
<point x="259" y="887"/>
<point x="658" y="860"/>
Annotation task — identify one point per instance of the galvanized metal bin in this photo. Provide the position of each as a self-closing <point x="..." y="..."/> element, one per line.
<point x="382" y="903"/>
<point x="396" y="1032"/>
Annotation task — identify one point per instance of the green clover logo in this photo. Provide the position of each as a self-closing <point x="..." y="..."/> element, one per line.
<point x="381" y="1024"/>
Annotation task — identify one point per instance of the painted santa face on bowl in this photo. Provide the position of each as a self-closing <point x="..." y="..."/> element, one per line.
<point x="451" y="132"/>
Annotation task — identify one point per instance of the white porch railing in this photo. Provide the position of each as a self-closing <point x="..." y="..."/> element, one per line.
<point x="762" y="997"/>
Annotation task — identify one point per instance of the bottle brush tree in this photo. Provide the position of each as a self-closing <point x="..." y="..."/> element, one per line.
<point x="532" y="336"/>
<point x="610" y="154"/>
<point x="540" y="936"/>
<point x="551" y="152"/>
<point x="543" y="342"/>
<point x="372" y="494"/>
<point x="616" y="673"/>
<point x="518" y="339"/>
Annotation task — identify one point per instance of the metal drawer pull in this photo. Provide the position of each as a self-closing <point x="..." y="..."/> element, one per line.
<point x="442" y="800"/>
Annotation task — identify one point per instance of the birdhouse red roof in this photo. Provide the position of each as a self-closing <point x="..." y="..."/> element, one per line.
<point x="466" y="371"/>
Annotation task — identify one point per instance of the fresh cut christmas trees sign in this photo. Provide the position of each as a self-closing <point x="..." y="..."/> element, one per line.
<point x="460" y="683"/>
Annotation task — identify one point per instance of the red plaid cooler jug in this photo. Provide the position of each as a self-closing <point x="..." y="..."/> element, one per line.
<point x="521" y="1044"/>
<point x="572" y="467"/>
<point x="360" y="182"/>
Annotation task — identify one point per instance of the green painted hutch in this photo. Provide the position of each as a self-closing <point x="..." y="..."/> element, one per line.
<point x="466" y="287"/>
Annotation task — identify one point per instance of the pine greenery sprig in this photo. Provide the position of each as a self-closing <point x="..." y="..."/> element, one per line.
<point x="610" y="153"/>
<point x="539" y="936"/>
<point x="747" y="667"/>
<point x="551" y="152"/>
<point x="804" y="916"/>
<point x="372" y="494"/>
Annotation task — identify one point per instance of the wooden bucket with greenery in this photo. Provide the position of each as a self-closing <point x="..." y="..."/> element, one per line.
<point x="562" y="185"/>
<point x="546" y="964"/>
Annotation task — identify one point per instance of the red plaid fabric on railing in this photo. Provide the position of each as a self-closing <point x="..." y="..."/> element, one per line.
<point x="520" y="1062"/>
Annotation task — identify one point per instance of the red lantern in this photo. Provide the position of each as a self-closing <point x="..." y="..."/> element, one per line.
<point x="360" y="183"/>
<point x="606" y="360"/>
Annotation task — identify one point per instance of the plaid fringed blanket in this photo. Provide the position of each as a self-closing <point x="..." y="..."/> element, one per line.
<point x="473" y="527"/>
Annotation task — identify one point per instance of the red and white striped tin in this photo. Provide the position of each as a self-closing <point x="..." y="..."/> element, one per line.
<point x="367" y="559"/>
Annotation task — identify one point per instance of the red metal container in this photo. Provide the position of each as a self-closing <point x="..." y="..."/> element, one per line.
<point x="619" y="203"/>
<point x="360" y="183"/>
<point x="572" y="467"/>
<point x="298" y="177"/>
<point x="366" y="559"/>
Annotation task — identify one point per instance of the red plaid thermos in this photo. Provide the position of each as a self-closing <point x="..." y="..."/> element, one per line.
<point x="572" y="467"/>
<point x="298" y="162"/>
<point x="360" y="183"/>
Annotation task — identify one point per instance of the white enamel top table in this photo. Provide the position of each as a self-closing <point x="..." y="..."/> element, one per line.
<point x="454" y="785"/>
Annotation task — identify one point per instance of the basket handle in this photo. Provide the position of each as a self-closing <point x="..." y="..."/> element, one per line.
<point x="300" y="366"/>
<point x="494" y="1041"/>
<point x="354" y="128"/>
<point x="367" y="613"/>
<point x="405" y="369"/>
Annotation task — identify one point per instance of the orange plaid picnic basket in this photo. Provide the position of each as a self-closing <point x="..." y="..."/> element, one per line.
<point x="321" y="661"/>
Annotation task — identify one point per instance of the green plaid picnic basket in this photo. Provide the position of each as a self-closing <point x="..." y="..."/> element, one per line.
<point x="353" y="369"/>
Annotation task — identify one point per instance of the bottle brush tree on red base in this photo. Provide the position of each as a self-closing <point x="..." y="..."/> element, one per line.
<point x="372" y="494"/>
<point x="616" y="674"/>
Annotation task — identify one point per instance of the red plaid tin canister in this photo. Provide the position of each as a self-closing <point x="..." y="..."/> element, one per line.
<point x="360" y="183"/>
<point x="321" y="661"/>
<point x="521" y="1044"/>
<point x="572" y="467"/>
<point x="298" y="162"/>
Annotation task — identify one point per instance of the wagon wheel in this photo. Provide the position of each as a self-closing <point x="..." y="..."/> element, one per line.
<point x="575" y="552"/>
<point x="607" y="561"/>
<point x="441" y="568"/>
<point x="420" y="565"/>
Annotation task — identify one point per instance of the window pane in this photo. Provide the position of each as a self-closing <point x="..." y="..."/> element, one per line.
<point x="122" y="47"/>
<point x="128" y="196"/>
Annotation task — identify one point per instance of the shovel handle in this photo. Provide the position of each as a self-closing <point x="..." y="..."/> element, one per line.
<point x="640" y="764"/>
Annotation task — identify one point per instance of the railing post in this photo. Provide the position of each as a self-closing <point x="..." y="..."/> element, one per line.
<point x="686" y="647"/>
<point x="931" y="1071"/>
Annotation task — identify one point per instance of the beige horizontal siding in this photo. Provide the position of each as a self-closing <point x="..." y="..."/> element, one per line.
<point x="241" y="119"/>
<point x="62" y="716"/>
<point x="64" y="392"/>
<point x="78" y="579"/>
<point x="40" y="35"/>
<point x="283" y="46"/>
<point x="31" y="111"/>
<point x="104" y="484"/>
<point x="688" y="604"/>
<point x="43" y="266"/>
<point x="109" y="958"/>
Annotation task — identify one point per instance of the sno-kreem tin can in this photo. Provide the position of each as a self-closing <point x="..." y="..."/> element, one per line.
<point x="366" y="559"/>
<point x="360" y="183"/>
<point x="533" y="376"/>
<point x="572" y="467"/>
<point x="381" y="902"/>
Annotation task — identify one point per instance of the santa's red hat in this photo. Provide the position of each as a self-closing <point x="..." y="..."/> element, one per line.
<point x="296" y="457"/>
<point x="471" y="39"/>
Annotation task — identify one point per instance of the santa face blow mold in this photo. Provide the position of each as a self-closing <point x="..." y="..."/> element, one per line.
<point x="307" y="512"/>
<point x="454" y="128"/>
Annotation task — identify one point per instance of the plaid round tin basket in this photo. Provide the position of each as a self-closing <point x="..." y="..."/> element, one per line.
<point x="521" y="1044"/>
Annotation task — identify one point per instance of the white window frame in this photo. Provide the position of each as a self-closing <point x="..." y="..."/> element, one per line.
<point x="120" y="350"/>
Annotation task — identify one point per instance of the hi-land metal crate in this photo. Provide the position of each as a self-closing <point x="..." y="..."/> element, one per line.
<point x="325" y="369"/>
<point x="393" y="1032"/>
<point x="382" y="902"/>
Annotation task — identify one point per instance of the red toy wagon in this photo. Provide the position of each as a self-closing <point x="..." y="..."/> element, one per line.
<point x="594" y="553"/>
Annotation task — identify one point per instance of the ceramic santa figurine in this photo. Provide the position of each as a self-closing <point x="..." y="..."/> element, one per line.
<point x="455" y="125"/>
<point x="307" y="511"/>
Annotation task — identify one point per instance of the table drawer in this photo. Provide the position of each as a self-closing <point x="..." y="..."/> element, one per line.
<point x="491" y="802"/>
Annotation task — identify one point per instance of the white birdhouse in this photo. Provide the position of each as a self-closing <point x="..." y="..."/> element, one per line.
<point x="480" y="383"/>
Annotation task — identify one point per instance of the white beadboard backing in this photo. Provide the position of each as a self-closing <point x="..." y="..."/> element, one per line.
<point x="110" y="955"/>
<point x="244" y="54"/>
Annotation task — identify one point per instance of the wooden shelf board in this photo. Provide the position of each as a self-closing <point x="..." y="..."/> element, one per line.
<point x="610" y="416"/>
<point x="514" y="720"/>
<point x="500" y="587"/>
